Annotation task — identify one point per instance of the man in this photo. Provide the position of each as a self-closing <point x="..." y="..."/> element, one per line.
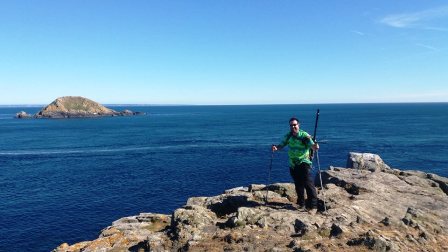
<point x="299" y="144"/>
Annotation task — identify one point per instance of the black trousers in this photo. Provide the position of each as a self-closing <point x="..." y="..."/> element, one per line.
<point x="301" y="174"/>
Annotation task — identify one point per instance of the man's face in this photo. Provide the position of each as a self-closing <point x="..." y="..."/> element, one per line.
<point x="294" y="126"/>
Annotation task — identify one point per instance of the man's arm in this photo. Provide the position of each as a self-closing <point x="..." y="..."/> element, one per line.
<point x="282" y="144"/>
<point x="313" y="145"/>
<point x="277" y="147"/>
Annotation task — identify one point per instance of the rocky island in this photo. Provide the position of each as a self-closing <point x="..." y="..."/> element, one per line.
<point x="370" y="206"/>
<point x="75" y="107"/>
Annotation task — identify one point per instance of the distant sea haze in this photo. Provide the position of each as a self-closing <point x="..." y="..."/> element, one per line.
<point x="64" y="180"/>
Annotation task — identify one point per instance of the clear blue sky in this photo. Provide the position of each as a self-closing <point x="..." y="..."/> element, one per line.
<point x="224" y="51"/>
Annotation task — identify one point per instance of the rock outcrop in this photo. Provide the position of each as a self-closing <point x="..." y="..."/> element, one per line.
<point x="23" y="115"/>
<point x="76" y="107"/>
<point x="369" y="207"/>
<point x="366" y="161"/>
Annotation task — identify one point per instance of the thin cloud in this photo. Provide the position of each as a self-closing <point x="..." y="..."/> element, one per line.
<point x="427" y="47"/>
<point x="358" y="32"/>
<point x="436" y="28"/>
<point x="415" y="19"/>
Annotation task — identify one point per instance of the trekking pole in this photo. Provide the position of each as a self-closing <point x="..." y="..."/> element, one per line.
<point x="320" y="178"/>
<point x="318" y="162"/>
<point x="314" y="135"/>
<point x="269" y="177"/>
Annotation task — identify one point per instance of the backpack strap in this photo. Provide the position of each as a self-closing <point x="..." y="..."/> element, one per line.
<point x="303" y="139"/>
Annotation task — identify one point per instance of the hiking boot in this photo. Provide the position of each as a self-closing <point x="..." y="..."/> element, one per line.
<point x="301" y="207"/>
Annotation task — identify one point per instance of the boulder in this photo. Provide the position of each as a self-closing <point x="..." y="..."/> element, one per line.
<point x="366" y="161"/>
<point x="192" y="223"/>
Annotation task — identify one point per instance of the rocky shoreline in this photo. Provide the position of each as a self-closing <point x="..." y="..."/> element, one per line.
<point x="370" y="206"/>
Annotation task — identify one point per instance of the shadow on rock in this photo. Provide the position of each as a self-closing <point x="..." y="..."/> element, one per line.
<point x="231" y="204"/>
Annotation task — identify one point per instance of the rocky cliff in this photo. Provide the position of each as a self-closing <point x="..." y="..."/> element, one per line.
<point x="75" y="107"/>
<point x="369" y="206"/>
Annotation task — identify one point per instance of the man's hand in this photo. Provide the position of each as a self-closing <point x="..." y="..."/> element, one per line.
<point x="315" y="146"/>
<point x="274" y="148"/>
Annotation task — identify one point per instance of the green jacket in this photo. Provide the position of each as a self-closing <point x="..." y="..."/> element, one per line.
<point x="298" y="147"/>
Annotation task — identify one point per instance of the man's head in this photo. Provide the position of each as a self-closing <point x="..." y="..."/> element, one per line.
<point x="294" y="125"/>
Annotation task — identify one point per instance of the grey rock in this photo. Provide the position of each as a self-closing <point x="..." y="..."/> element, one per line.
<point x="366" y="161"/>
<point x="230" y="203"/>
<point x="285" y="190"/>
<point x="256" y="187"/>
<point x="385" y="221"/>
<point x="300" y="228"/>
<point x="237" y="189"/>
<point x="441" y="181"/>
<point x="335" y="230"/>
<point x="23" y="115"/>
<point x="191" y="223"/>
<point x="373" y="242"/>
<point x="127" y="112"/>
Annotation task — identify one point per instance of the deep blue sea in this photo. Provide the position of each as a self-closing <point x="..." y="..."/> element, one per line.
<point x="63" y="180"/>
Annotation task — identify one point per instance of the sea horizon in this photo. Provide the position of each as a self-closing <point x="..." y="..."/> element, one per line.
<point x="236" y="104"/>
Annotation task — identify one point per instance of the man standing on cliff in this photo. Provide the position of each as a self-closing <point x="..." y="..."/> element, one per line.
<point x="299" y="144"/>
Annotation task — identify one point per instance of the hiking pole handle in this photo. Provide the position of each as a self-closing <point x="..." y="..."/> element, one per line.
<point x="315" y="133"/>
<point x="315" y="125"/>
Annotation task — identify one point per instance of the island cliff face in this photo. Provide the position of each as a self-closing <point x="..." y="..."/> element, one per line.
<point x="75" y="107"/>
<point x="369" y="207"/>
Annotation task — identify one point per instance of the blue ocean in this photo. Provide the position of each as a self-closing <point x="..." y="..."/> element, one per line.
<point x="63" y="180"/>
